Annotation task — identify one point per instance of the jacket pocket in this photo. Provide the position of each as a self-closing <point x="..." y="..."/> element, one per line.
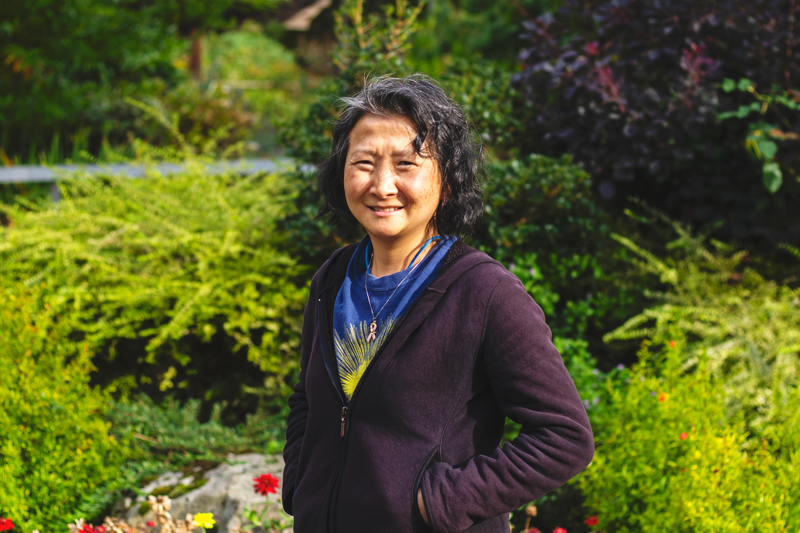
<point x="497" y="524"/>
<point x="430" y="458"/>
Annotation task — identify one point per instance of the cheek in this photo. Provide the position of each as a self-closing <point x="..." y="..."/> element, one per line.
<point x="351" y="188"/>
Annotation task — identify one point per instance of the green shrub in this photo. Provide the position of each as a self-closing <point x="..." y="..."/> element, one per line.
<point x="177" y="281"/>
<point x="669" y="458"/>
<point x="542" y="221"/>
<point x="175" y="430"/>
<point x="55" y="447"/>
<point x="746" y="326"/>
<point x="247" y="63"/>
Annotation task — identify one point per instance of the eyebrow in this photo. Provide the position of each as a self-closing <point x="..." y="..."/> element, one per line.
<point x="397" y="153"/>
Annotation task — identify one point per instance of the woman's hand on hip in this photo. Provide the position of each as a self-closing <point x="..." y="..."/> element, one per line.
<point x="421" y="505"/>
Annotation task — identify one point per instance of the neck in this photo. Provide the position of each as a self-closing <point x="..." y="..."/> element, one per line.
<point x="395" y="256"/>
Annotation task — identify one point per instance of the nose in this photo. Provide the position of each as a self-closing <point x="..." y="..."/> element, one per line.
<point x="383" y="181"/>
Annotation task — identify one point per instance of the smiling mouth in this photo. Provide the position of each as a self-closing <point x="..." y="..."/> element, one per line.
<point x="385" y="209"/>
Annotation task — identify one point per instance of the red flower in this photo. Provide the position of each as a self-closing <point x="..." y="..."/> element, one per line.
<point x="87" y="528"/>
<point x="150" y="523"/>
<point x="672" y="344"/>
<point x="591" y="521"/>
<point x="6" y="524"/>
<point x="591" y="48"/>
<point x="684" y="435"/>
<point x="265" y="483"/>
<point x="559" y="530"/>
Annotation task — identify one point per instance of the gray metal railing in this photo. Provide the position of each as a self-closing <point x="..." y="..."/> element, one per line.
<point x="51" y="173"/>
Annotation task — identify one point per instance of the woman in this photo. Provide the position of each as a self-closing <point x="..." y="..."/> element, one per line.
<point x="415" y="347"/>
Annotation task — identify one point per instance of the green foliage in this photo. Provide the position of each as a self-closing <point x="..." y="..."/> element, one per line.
<point x="202" y="120"/>
<point x="65" y="67"/>
<point x="762" y="137"/>
<point x="64" y="64"/>
<point x="164" y="274"/>
<point x="669" y="458"/>
<point x="175" y="431"/>
<point x="747" y="327"/>
<point x="250" y="67"/>
<point x="542" y="221"/>
<point x="55" y="446"/>
<point x="458" y="30"/>
<point x="498" y="112"/>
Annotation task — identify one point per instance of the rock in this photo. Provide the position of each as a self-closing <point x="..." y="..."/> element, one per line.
<point x="225" y="490"/>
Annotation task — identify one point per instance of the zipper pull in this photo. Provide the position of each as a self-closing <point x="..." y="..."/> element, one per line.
<point x="344" y="416"/>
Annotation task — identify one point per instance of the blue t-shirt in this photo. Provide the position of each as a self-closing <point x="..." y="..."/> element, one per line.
<point x="352" y="316"/>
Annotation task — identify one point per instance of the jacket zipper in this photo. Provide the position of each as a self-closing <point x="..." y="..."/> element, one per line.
<point x="344" y="420"/>
<point x="343" y="429"/>
<point x="348" y="406"/>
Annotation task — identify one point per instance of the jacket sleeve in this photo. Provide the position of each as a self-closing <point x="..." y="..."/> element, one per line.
<point x="298" y="405"/>
<point x="533" y="388"/>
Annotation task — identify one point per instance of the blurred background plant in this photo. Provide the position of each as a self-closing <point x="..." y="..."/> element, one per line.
<point x="55" y="446"/>
<point x="160" y="275"/>
<point x="633" y="89"/>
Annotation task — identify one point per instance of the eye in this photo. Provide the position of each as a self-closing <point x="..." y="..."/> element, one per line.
<point x="406" y="163"/>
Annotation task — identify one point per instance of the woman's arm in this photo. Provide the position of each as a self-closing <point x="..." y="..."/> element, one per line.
<point x="533" y="388"/>
<point x="298" y="405"/>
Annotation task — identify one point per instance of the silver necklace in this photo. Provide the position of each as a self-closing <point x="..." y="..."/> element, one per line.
<point x="373" y="327"/>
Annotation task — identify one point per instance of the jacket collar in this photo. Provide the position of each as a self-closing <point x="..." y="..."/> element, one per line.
<point x="459" y="259"/>
<point x="334" y="275"/>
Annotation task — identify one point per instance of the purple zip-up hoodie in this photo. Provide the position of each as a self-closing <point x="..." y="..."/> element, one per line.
<point x="429" y="411"/>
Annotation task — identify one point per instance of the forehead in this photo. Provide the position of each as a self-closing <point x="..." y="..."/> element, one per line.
<point x="373" y="130"/>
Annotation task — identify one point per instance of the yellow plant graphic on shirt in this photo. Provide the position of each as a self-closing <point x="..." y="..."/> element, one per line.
<point x="354" y="353"/>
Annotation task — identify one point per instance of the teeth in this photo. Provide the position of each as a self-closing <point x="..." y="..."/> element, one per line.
<point x="385" y="209"/>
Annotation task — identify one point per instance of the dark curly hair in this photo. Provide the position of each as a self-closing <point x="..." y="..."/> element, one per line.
<point x="440" y="122"/>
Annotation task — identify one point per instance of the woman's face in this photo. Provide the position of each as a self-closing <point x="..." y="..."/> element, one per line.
<point x="390" y="189"/>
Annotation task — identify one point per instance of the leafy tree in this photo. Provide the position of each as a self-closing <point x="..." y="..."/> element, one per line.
<point x="66" y="66"/>
<point x="474" y="30"/>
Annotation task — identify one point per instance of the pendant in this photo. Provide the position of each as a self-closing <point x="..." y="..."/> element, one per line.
<point x="373" y="328"/>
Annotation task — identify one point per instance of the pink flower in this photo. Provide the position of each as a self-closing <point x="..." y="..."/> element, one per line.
<point x="591" y="48"/>
<point x="591" y="521"/>
<point x="683" y="436"/>
<point x="265" y="483"/>
<point x="559" y="530"/>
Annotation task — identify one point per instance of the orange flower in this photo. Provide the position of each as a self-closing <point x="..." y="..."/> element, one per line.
<point x="662" y="397"/>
